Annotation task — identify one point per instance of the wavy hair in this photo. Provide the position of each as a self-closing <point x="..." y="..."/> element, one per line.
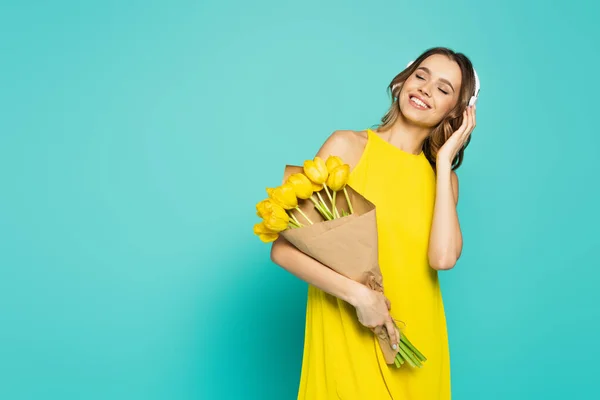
<point x="452" y="121"/>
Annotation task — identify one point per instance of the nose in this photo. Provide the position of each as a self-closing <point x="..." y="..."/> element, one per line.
<point x="425" y="89"/>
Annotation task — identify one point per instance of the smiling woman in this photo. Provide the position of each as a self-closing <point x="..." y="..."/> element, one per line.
<point x="405" y="167"/>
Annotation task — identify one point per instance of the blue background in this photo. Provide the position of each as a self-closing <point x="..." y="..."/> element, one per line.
<point x="128" y="265"/>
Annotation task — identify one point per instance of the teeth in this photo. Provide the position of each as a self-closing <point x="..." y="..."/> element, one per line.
<point x="419" y="102"/>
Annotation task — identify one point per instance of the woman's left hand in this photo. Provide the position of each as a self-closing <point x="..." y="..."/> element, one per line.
<point x="456" y="141"/>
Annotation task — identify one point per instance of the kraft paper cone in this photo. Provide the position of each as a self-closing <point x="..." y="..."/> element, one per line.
<point x="348" y="245"/>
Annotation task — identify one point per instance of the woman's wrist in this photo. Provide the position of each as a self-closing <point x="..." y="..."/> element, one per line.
<point x="356" y="292"/>
<point x="443" y="163"/>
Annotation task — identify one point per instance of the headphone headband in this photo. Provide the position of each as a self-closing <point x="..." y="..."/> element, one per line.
<point x="475" y="95"/>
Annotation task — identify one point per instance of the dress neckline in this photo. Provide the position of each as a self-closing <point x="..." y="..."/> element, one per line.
<point x="371" y="133"/>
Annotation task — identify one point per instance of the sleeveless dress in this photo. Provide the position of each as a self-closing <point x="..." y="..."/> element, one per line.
<point x="342" y="358"/>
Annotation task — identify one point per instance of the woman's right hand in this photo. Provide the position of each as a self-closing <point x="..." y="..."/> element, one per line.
<point x="373" y="311"/>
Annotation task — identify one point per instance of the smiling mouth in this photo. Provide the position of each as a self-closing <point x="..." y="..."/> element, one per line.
<point x="418" y="103"/>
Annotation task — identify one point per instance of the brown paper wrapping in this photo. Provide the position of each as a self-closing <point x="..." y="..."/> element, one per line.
<point x="348" y="245"/>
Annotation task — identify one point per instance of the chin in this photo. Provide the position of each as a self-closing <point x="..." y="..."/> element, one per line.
<point x="416" y="117"/>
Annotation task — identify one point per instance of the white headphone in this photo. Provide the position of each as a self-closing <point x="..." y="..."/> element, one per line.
<point x="475" y="96"/>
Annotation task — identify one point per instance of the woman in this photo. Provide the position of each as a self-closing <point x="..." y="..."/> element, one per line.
<point x="406" y="168"/>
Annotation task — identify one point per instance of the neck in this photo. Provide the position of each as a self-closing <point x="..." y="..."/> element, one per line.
<point x="406" y="135"/>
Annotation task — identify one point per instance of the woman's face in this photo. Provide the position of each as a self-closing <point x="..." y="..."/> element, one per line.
<point x="431" y="91"/>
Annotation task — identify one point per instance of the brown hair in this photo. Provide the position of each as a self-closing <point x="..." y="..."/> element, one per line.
<point x="453" y="120"/>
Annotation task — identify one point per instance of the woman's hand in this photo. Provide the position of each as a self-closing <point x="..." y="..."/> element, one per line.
<point x="448" y="151"/>
<point x="373" y="310"/>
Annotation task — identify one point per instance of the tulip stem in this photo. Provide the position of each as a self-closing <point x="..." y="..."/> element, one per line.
<point x="417" y="353"/>
<point x="326" y="213"/>
<point x="406" y="357"/>
<point x="320" y="209"/>
<point x="295" y="220"/>
<point x="328" y="195"/>
<point x="348" y="200"/>
<point x="304" y="215"/>
<point x="333" y="205"/>
<point x="323" y="203"/>
<point x="410" y="355"/>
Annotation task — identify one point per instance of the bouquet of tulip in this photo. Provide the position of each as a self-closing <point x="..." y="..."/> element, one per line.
<point x="308" y="212"/>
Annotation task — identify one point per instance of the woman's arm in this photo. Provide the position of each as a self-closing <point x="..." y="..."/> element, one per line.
<point x="284" y="254"/>
<point x="445" y="241"/>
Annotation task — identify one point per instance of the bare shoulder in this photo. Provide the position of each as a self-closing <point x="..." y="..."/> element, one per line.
<point x="346" y="144"/>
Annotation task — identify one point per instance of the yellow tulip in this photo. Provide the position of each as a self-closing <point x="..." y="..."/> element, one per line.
<point x="316" y="170"/>
<point x="263" y="206"/>
<point x="337" y="181"/>
<point x="338" y="177"/>
<point x="332" y="162"/>
<point x="303" y="187"/>
<point x="265" y="234"/>
<point x="276" y="220"/>
<point x="285" y="196"/>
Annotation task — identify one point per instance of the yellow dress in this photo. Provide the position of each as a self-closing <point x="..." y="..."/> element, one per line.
<point x="342" y="359"/>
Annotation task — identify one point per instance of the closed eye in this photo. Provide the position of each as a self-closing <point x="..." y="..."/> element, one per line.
<point x="421" y="78"/>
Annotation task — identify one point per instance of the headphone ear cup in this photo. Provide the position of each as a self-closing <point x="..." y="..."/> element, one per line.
<point x="395" y="98"/>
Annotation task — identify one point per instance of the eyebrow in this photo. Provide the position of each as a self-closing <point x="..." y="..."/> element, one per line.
<point x="446" y="81"/>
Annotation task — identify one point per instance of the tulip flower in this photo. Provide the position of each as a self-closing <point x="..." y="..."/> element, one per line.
<point x="263" y="206"/>
<point x="316" y="187"/>
<point x="264" y="234"/>
<point x="316" y="171"/>
<point x="302" y="185"/>
<point x="304" y="188"/>
<point x="338" y="177"/>
<point x="285" y="196"/>
<point x="276" y="220"/>
<point x="332" y="162"/>
<point x="337" y="180"/>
